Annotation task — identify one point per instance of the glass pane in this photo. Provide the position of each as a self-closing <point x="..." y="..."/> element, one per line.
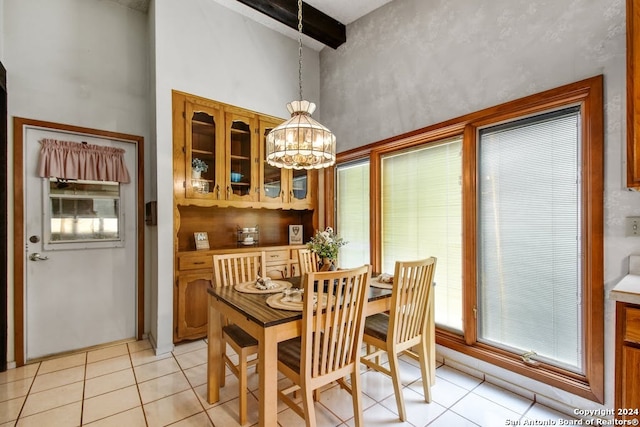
<point x="529" y="284"/>
<point x="299" y="184"/>
<point x="422" y="217"/>
<point x="272" y="175"/>
<point x="352" y="205"/>
<point x="240" y="158"/>
<point x="84" y="210"/>
<point x="203" y="151"/>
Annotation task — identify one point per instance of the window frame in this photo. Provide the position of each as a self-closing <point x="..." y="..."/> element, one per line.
<point x="588" y="94"/>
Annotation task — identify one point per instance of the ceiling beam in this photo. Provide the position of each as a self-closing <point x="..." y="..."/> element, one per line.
<point x="315" y="24"/>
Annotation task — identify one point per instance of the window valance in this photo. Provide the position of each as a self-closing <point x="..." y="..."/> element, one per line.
<point x="73" y="160"/>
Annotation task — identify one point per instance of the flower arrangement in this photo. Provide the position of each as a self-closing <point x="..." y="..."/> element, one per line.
<point x="326" y="244"/>
<point x="199" y="165"/>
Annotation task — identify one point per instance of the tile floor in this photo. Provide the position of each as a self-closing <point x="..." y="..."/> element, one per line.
<point x="128" y="385"/>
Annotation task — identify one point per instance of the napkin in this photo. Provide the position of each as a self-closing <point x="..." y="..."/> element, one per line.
<point x="265" y="283"/>
<point x="385" y="278"/>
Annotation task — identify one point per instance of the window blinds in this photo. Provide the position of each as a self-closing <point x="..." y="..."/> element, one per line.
<point x="422" y="217"/>
<point x="352" y="189"/>
<point x="529" y="237"/>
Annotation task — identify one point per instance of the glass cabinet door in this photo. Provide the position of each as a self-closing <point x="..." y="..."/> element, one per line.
<point x="274" y="184"/>
<point x="241" y="158"/>
<point x="201" y="152"/>
<point x="302" y="195"/>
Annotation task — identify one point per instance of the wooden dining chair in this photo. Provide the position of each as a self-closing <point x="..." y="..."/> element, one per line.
<point x="329" y="348"/>
<point x="308" y="261"/>
<point x="229" y="270"/>
<point x="405" y="327"/>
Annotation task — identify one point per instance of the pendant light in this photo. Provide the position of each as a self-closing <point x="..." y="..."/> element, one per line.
<point x="301" y="142"/>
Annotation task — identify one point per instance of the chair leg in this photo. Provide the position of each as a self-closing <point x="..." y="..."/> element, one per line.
<point x="308" y="407"/>
<point x="223" y="371"/>
<point x="355" y="396"/>
<point x="242" y="388"/>
<point x="425" y="369"/>
<point x="397" y="385"/>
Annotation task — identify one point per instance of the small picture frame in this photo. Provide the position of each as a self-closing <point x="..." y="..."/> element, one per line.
<point x="202" y="240"/>
<point x="296" y="234"/>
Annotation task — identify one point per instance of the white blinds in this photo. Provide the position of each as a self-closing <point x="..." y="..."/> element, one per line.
<point x="422" y="217"/>
<point x="352" y="183"/>
<point x="529" y="237"/>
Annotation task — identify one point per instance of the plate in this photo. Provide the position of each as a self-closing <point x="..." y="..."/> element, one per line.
<point x="383" y="285"/>
<point x="248" y="243"/>
<point x="250" y="287"/>
<point x="275" y="301"/>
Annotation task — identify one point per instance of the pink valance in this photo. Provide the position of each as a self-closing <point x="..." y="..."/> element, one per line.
<point x="73" y="160"/>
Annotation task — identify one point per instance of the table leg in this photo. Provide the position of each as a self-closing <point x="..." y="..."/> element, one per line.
<point x="268" y="367"/>
<point x="215" y="365"/>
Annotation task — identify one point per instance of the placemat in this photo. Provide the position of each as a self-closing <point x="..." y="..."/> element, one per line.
<point x="374" y="282"/>
<point x="250" y="287"/>
<point x="275" y="301"/>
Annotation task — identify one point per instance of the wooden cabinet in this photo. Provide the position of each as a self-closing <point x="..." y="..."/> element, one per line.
<point x="238" y="189"/>
<point x="627" y="360"/>
<point x="195" y="275"/>
<point x="231" y="142"/>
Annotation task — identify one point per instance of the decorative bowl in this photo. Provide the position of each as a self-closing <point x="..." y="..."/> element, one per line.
<point x="236" y="177"/>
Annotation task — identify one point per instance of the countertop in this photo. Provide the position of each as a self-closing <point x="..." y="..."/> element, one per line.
<point x="628" y="289"/>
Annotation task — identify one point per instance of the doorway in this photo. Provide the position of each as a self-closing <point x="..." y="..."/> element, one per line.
<point x="79" y="274"/>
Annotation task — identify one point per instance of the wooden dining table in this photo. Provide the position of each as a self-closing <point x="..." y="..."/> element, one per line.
<point x="269" y="326"/>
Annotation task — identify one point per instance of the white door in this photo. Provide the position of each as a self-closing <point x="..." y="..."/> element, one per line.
<point x="79" y="292"/>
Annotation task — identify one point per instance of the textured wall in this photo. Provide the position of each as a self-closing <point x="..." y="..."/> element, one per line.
<point x="413" y="63"/>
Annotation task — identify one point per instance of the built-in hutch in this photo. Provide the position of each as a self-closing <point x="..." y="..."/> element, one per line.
<point x="237" y="190"/>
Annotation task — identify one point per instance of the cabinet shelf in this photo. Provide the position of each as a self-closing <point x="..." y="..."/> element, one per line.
<point x="206" y="152"/>
<point x="240" y="131"/>
<point x="238" y="157"/>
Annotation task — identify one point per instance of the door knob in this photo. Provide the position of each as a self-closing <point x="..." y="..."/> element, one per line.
<point x="37" y="257"/>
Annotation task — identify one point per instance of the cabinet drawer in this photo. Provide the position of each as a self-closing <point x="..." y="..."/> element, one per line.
<point x="277" y="256"/>
<point x="632" y="325"/>
<point x="195" y="262"/>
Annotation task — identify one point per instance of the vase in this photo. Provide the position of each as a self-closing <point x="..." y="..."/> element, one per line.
<point x="196" y="174"/>
<point x="326" y="264"/>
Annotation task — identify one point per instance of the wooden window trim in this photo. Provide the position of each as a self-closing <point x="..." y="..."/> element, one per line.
<point x="588" y="94"/>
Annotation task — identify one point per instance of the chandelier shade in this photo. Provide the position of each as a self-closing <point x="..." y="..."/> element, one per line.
<point x="301" y="142"/>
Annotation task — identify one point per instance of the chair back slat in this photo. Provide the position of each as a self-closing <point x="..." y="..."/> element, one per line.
<point x="332" y="336"/>
<point x="308" y="261"/>
<point x="411" y="299"/>
<point x="234" y="268"/>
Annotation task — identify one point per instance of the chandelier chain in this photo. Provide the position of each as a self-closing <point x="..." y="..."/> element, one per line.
<point x="300" y="47"/>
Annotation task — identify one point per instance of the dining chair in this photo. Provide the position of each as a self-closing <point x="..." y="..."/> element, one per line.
<point x="308" y="261"/>
<point x="229" y="270"/>
<point x="329" y="347"/>
<point x="405" y="327"/>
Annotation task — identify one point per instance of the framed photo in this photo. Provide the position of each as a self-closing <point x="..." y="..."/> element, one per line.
<point x="202" y="240"/>
<point x="295" y="234"/>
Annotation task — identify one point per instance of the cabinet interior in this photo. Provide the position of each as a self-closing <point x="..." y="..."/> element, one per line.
<point x="221" y="224"/>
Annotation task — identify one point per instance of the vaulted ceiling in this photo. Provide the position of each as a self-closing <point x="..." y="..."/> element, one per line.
<point x="323" y="20"/>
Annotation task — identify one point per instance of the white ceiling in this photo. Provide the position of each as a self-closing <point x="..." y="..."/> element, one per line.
<point x="345" y="11"/>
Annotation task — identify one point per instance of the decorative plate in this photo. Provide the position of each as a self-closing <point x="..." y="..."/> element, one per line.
<point x="376" y="284"/>
<point x="275" y="301"/>
<point x="250" y="287"/>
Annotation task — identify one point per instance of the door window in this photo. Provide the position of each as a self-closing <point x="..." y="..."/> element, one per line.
<point x="82" y="214"/>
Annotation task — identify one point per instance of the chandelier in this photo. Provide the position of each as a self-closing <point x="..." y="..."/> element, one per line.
<point x="301" y="142"/>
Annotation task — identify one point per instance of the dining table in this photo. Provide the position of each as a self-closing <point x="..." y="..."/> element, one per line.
<point x="269" y="326"/>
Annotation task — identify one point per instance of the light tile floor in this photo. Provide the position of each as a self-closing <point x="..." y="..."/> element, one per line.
<point x="128" y="385"/>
